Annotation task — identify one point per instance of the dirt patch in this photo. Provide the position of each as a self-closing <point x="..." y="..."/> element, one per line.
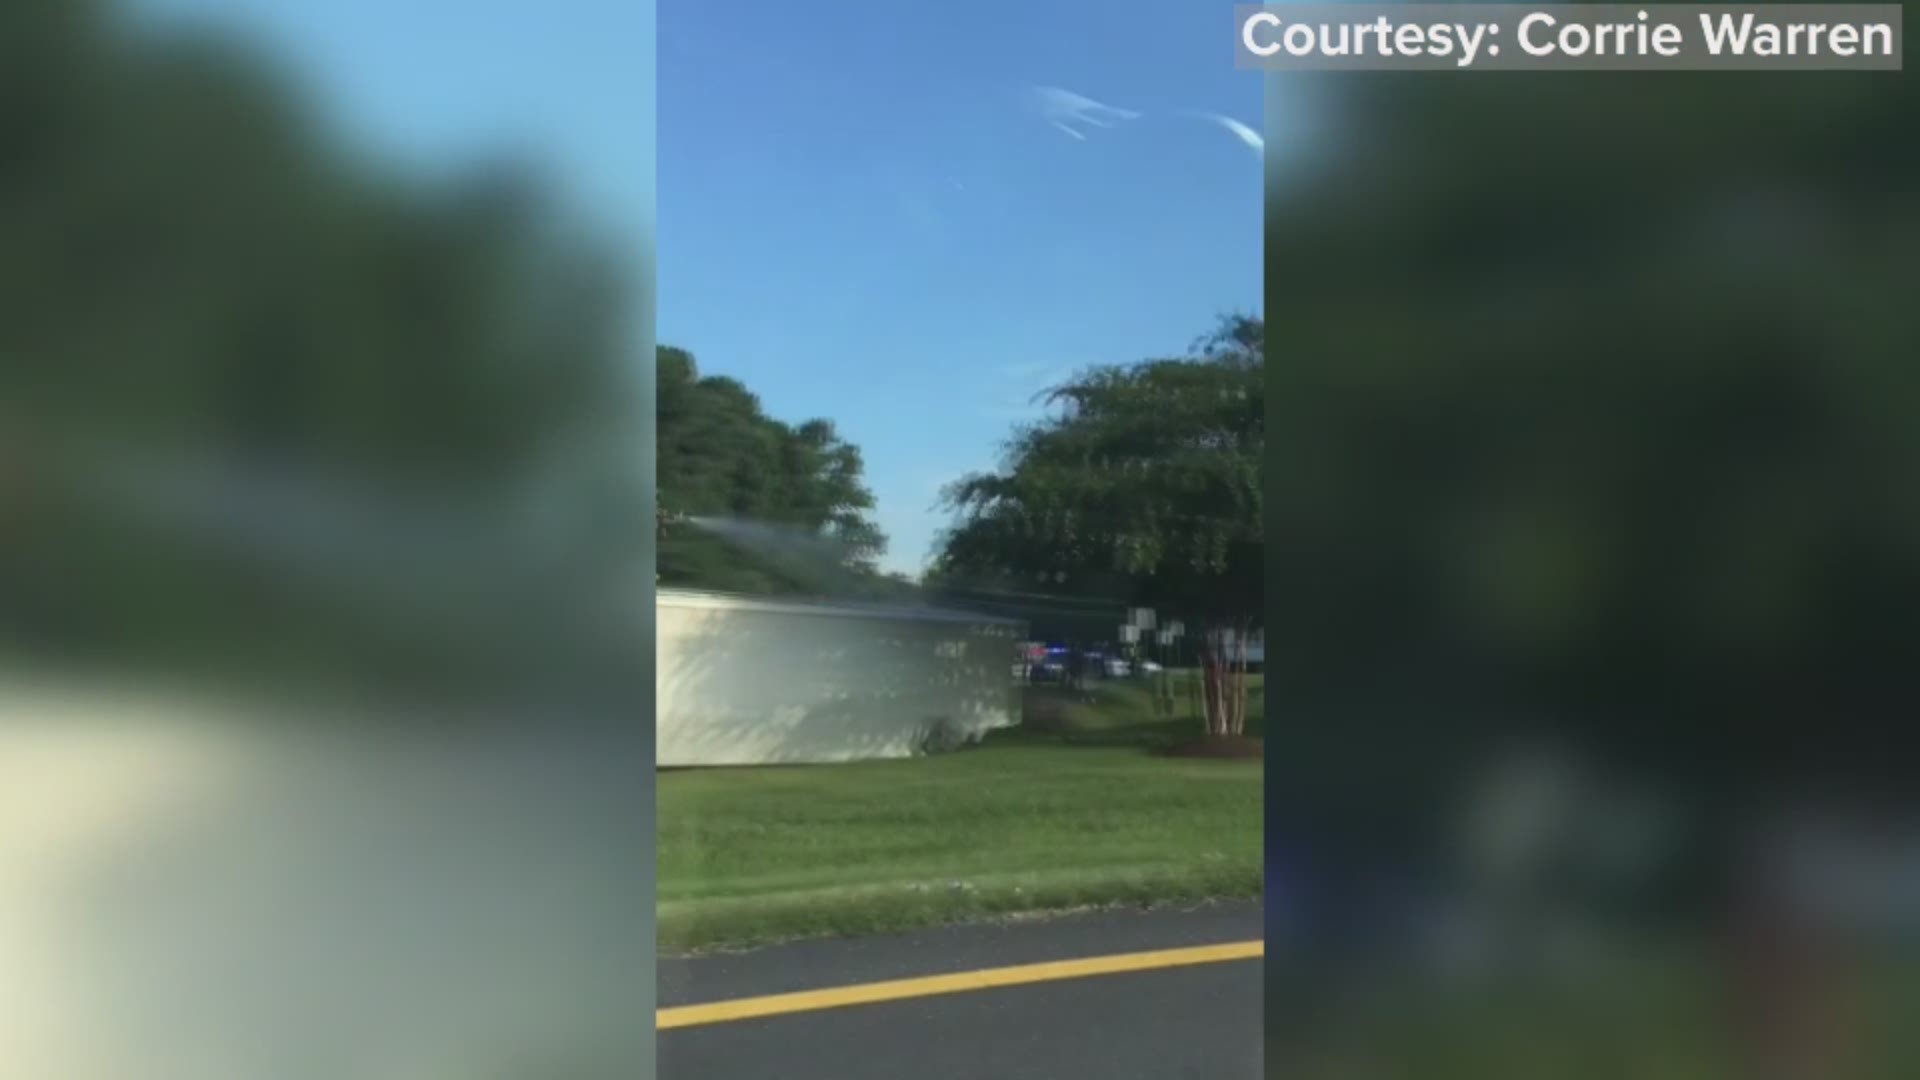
<point x="1233" y="747"/>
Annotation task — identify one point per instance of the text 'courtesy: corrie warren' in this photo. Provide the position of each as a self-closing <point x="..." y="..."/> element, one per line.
<point x="1569" y="37"/>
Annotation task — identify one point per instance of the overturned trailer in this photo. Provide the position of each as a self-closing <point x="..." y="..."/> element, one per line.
<point x="751" y="681"/>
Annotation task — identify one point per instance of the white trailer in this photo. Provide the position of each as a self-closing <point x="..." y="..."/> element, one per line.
<point x="751" y="681"/>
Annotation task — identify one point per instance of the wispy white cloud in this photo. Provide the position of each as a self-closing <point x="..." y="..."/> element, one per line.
<point x="1070" y="112"/>
<point x="1074" y="115"/>
<point x="1245" y="134"/>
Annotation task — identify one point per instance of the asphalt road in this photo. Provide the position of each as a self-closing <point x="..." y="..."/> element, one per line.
<point x="1198" y="1020"/>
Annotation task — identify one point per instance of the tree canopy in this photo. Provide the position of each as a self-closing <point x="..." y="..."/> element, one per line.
<point x="750" y="503"/>
<point x="1144" y="487"/>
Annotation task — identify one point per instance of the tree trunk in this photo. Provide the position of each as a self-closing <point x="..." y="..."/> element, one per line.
<point x="1223" y="679"/>
<point x="1193" y="688"/>
<point x="1240" y="682"/>
<point x="1210" y="680"/>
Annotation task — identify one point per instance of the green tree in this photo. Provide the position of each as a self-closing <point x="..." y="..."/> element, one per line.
<point x="1144" y="488"/>
<point x="751" y="504"/>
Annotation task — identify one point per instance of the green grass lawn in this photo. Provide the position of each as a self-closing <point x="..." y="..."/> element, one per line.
<point x="1082" y="814"/>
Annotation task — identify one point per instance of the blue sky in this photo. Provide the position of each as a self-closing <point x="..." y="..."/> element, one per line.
<point x="892" y="237"/>
<point x="862" y="214"/>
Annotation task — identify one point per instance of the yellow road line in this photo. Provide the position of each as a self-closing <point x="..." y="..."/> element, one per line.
<point x="720" y="1012"/>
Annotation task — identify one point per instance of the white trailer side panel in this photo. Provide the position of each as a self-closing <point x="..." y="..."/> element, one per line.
<point x="751" y="682"/>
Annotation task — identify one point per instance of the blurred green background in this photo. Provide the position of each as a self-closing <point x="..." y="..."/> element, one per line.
<point x="278" y="411"/>
<point x="1595" y="436"/>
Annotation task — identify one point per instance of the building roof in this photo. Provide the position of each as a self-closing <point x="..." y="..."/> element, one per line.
<point x="691" y="598"/>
